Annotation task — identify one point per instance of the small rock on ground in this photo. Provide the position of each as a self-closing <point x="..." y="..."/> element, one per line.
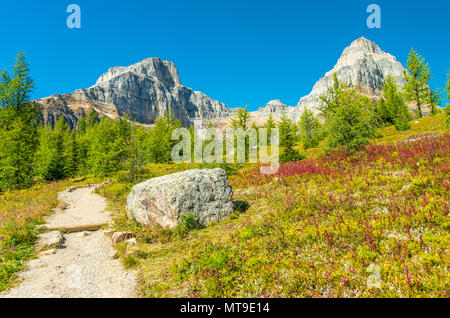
<point x="119" y="237"/>
<point x="50" y="239"/>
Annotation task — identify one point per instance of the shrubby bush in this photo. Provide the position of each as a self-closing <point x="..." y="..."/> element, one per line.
<point x="187" y="223"/>
<point x="291" y="155"/>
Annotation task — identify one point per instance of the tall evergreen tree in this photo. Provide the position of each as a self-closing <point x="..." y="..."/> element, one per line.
<point x="135" y="155"/>
<point x="84" y="134"/>
<point x="352" y="125"/>
<point x="108" y="151"/>
<point x="240" y="123"/>
<point x="269" y="125"/>
<point x="242" y="119"/>
<point x="417" y="75"/>
<point x="288" y="139"/>
<point x="88" y="121"/>
<point x="349" y="117"/>
<point x="310" y="129"/>
<point x="255" y="127"/>
<point x="288" y="131"/>
<point x="434" y="100"/>
<point x="15" y="91"/>
<point x="332" y="99"/>
<point x="392" y="108"/>
<point x="18" y="126"/>
<point x="72" y="151"/>
<point x="159" y="141"/>
<point x="52" y="158"/>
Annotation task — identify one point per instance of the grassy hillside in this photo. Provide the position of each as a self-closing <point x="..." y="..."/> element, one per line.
<point x="369" y="224"/>
<point x="373" y="223"/>
<point x="425" y="125"/>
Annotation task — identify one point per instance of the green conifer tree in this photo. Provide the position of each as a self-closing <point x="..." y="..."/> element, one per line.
<point x="434" y="100"/>
<point x="135" y="155"/>
<point x="72" y="152"/>
<point x="18" y="126"/>
<point x="52" y="159"/>
<point x="288" y="131"/>
<point x="242" y="119"/>
<point x="240" y="123"/>
<point x="288" y="139"/>
<point x="351" y="125"/>
<point x="269" y="125"/>
<point x="417" y="75"/>
<point x="394" y="110"/>
<point x="108" y="152"/>
<point x="310" y="129"/>
<point x="332" y="99"/>
<point x="84" y="134"/>
<point x="159" y="140"/>
<point x="350" y="120"/>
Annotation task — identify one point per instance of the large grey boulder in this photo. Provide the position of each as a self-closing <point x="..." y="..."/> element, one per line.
<point x="164" y="200"/>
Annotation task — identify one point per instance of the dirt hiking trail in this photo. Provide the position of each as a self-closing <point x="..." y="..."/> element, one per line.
<point x="83" y="266"/>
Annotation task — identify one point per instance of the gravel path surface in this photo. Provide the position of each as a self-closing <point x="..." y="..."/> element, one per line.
<point x="83" y="266"/>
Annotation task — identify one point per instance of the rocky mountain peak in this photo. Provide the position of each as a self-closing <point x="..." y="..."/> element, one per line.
<point x="164" y="71"/>
<point x="275" y="106"/>
<point x="144" y="91"/>
<point x="274" y="102"/>
<point x="362" y="45"/>
<point x="363" y="65"/>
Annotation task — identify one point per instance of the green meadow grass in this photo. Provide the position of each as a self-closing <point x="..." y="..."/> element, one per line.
<point x="375" y="225"/>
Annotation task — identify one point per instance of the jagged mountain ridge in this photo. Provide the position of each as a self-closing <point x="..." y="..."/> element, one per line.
<point x="144" y="91"/>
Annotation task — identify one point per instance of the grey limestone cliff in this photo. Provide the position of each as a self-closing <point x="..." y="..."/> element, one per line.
<point x="362" y="65"/>
<point x="144" y="91"/>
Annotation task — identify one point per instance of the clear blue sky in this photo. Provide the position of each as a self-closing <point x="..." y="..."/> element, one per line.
<point x="237" y="51"/>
